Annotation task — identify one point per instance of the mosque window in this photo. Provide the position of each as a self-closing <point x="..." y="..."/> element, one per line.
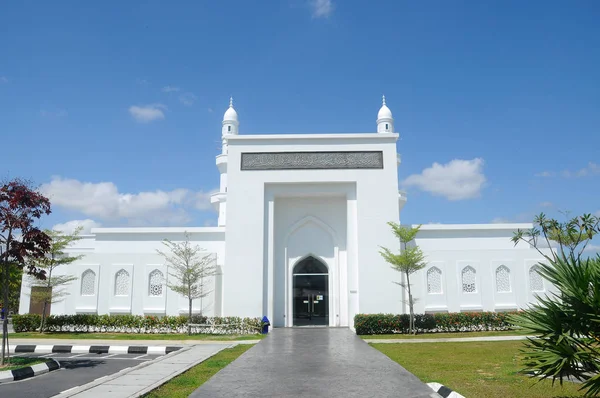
<point x="502" y="279"/>
<point x="469" y="279"/>
<point x="228" y="128"/>
<point x="434" y="281"/>
<point x="122" y="283"/>
<point x="536" y="283"/>
<point x="88" y="283"/>
<point x="387" y="126"/>
<point x="155" y="283"/>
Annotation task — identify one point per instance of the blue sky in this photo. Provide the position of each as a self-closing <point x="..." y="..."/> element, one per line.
<point x="115" y="107"/>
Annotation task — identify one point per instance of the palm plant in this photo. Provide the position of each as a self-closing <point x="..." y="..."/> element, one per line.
<point x="566" y="323"/>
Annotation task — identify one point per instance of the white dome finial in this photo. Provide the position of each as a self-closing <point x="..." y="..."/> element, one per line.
<point x="385" y="120"/>
<point x="231" y="102"/>
<point x="230" y="113"/>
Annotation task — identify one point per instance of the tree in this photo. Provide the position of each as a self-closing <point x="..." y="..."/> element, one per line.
<point x="54" y="288"/>
<point x="409" y="260"/>
<point x="566" y="322"/>
<point x="14" y="289"/>
<point x="192" y="270"/>
<point x="20" y="207"/>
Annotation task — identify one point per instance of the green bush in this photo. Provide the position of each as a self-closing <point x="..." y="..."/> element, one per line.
<point x="432" y="323"/>
<point x="85" y="323"/>
<point x="26" y="323"/>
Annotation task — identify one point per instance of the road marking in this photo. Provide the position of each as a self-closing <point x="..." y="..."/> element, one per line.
<point x="75" y="356"/>
<point x="47" y="355"/>
<point x="141" y="356"/>
<point x="108" y="356"/>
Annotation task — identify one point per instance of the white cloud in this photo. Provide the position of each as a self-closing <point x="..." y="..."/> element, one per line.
<point x="591" y="169"/>
<point x="456" y="180"/>
<point x="147" y="113"/>
<point x="592" y="248"/>
<point x="210" y="110"/>
<point x="170" y="89"/>
<point x="546" y="204"/>
<point x="142" y="82"/>
<point x="70" y="226"/>
<point x="103" y="201"/>
<point x="3" y="79"/>
<point x="597" y="214"/>
<point x="321" y="8"/>
<point x="187" y="99"/>
<point x="57" y="113"/>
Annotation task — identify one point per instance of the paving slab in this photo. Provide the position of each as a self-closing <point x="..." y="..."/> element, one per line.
<point x="314" y="362"/>
<point x="147" y="376"/>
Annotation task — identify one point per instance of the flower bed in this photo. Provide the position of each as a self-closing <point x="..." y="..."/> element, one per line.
<point x="432" y="323"/>
<point x="137" y="324"/>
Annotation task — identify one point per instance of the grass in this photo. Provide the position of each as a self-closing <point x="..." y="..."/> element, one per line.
<point x="184" y="384"/>
<point x="445" y="335"/>
<point x="475" y="369"/>
<point x="19" y="362"/>
<point x="134" y="336"/>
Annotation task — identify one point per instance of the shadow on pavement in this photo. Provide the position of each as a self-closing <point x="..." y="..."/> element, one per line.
<point x="85" y="363"/>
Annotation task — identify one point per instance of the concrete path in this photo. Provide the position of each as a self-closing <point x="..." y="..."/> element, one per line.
<point x="147" y="376"/>
<point x="314" y="362"/>
<point x="448" y="340"/>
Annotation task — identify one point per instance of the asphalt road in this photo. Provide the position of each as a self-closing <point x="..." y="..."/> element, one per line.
<point x="76" y="370"/>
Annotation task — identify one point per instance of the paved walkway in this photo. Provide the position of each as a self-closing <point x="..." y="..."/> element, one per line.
<point x="448" y="339"/>
<point x="146" y="376"/>
<point x="313" y="362"/>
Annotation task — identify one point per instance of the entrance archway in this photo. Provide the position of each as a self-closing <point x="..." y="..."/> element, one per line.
<point x="310" y="293"/>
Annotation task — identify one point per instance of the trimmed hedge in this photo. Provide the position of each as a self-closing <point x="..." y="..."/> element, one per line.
<point x="432" y="323"/>
<point x="137" y="324"/>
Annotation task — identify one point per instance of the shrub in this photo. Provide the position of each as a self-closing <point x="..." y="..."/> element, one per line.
<point x="84" y="323"/>
<point x="26" y="323"/>
<point x="432" y="323"/>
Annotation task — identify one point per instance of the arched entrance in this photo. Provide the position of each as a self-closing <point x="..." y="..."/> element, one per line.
<point x="310" y="293"/>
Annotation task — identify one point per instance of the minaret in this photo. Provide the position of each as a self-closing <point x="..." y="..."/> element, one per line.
<point x="230" y="127"/>
<point x="385" y="121"/>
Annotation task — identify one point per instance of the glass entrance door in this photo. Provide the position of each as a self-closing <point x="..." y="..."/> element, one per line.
<point x="311" y="294"/>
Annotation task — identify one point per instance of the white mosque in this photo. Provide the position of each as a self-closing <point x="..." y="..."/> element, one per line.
<point x="301" y="218"/>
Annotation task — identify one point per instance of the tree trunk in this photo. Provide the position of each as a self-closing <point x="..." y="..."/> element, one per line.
<point x="411" y="325"/>
<point x="43" y="316"/>
<point x="5" y="280"/>
<point x="190" y="318"/>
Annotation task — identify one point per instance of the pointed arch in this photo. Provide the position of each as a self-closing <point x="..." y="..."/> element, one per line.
<point x="88" y="283"/>
<point x="308" y="219"/>
<point x="310" y="264"/>
<point x="536" y="281"/>
<point x="122" y="283"/>
<point x="503" y="279"/>
<point x="469" y="279"/>
<point x="434" y="280"/>
<point x="155" y="283"/>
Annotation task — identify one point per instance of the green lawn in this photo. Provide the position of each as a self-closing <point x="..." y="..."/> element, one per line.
<point x="135" y="336"/>
<point x="444" y="335"/>
<point x="18" y="362"/>
<point x="475" y="369"/>
<point x="184" y="384"/>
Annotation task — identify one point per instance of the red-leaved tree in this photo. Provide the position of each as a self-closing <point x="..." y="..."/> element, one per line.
<point x="20" y="239"/>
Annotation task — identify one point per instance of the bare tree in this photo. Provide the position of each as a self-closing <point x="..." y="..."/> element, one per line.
<point x="192" y="271"/>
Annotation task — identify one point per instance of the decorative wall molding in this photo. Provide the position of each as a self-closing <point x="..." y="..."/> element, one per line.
<point x="312" y="160"/>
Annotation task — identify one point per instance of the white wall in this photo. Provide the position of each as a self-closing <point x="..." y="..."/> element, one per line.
<point x="134" y="250"/>
<point x="483" y="247"/>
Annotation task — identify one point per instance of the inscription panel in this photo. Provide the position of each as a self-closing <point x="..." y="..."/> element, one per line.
<point x="312" y="160"/>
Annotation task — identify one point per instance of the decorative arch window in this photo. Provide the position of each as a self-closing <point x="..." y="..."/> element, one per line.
<point x="469" y="280"/>
<point x="122" y="283"/>
<point x="88" y="283"/>
<point x="503" y="279"/>
<point x="155" y="283"/>
<point x="536" y="282"/>
<point x="434" y="280"/>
